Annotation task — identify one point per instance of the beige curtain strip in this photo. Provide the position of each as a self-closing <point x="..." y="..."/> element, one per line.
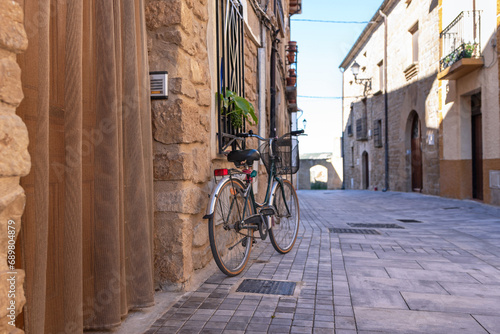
<point x="88" y="235"/>
<point x="40" y="168"/>
<point x="73" y="120"/>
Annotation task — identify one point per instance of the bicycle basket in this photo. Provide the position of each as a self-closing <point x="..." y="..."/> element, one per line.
<point x="286" y="155"/>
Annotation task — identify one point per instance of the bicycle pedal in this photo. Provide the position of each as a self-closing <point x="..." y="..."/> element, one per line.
<point x="267" y="210"/>
<point x="253" y="220"/>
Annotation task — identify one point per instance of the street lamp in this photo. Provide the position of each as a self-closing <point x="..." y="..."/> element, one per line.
<point x="366" y="81"/>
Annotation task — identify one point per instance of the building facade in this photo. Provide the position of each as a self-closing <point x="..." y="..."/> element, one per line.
<point x="118" y="185"/>
<point x="433" y="125"/>
<point x="469" y="100"/>
<point x="391" y="106"/>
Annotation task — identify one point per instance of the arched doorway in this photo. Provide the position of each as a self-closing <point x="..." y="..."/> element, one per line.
<point x="416" y="154"/>
<point x="319" y="177"/>
<point x="366" y="170"/>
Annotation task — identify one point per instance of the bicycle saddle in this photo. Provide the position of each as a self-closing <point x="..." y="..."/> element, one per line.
<point x="244" y="155"/>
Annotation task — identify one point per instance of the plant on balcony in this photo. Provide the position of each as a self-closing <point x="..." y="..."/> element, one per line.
<point x="469" y="50"/>
<point x="237" y="108"/>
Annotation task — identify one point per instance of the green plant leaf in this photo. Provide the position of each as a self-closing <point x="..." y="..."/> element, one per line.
<point x="237" y="107"/>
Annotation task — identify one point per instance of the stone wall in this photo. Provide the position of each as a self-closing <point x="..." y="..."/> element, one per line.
<point x="181" y="40"/>
<point x="14" y="161"/>
<point x="407" y="94"/>
<point x="177" y="43"/>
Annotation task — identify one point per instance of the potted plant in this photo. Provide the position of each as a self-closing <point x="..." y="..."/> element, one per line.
<point x="292" y="51"/>
<point x="237" y="108"/>
<point x="469" y="49"/>
<point x="292" y="77"/>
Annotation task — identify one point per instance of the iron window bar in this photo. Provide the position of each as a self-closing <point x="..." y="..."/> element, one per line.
<point x="230" y="68"/>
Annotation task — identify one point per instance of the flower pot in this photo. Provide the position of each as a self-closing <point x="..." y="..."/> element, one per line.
<point x="292" y="46"/>
<point x="291" y="72"/>
<point x="290" y="81"/>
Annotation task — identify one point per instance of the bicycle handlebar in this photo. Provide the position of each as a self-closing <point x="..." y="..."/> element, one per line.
<point x="251" y="134"/>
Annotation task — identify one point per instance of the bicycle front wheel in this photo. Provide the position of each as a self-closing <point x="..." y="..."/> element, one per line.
<point x="230" y="243"/>
<point x="285" y="224"/>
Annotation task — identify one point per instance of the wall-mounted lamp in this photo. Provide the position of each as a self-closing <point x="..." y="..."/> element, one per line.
<point x="362" y="81"/>
<point x="304" y="123"/>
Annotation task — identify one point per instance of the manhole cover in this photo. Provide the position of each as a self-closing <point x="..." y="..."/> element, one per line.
<point x="354" y="231"/>
<point x="267" y="287"/>
<point x="374" y="225"/>
<point x="409" y="221"/>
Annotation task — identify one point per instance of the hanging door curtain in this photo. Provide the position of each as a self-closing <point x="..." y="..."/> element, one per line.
<point x="87" y="229"/>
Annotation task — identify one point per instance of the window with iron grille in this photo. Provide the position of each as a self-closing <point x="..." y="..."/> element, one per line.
<point x="361" y="131"/>
<point x="230" y="66"/>
<point x="349" y="130"/>
<point x="377" y="133"/>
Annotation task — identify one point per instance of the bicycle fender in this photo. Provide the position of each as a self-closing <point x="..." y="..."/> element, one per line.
<point x="273" y="193"/>
<point x="211" y="204"/>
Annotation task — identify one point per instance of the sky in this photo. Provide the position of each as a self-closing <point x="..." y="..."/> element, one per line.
<point x="322" y="47"/>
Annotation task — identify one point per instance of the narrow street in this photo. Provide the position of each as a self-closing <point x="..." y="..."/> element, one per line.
<point x="428" y="265"/>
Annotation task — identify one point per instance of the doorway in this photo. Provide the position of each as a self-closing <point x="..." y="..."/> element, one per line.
<point x="366" y="170"/>
<point x="477" y="147"/>
<point x="319" y="177"/>
<point x="416" y="155"/>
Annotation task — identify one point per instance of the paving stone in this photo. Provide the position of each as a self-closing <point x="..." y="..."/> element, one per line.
<point x="378" y="299"/>
<point x="490" y="323"/>
<point x="455" y="304"/>
<point x="446" y="269"/>
<point x="410" y="322"/>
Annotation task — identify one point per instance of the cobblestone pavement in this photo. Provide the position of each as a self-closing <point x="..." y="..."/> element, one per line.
<point x="437" y="273"/>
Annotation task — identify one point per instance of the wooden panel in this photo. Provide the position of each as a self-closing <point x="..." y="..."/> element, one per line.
<point x="455" y="178"/>
<point x="416" y="156"/>
<point x="477" y="157"/>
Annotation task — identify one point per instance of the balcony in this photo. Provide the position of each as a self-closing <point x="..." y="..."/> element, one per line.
<point x="295" y="7"/>
<point x="291" y="80"/>
<point x="461" y="45"/>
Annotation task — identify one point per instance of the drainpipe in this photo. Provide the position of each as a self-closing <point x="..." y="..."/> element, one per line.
<point x="273" y="87"/>
<point x="262" y="81"/>
<point x="343" y="132"/>
<point x="386" y="107"/>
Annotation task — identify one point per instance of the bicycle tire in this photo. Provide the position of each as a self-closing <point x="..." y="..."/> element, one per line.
<point x="284" y="227"/>
<point x="231" y="249"/>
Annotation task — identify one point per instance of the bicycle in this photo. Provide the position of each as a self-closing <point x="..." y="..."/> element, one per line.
<point x="233" y="213"/>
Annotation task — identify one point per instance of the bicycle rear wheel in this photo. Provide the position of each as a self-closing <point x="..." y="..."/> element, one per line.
<point x="230" y="244"/>
<point x="285" y="224"/>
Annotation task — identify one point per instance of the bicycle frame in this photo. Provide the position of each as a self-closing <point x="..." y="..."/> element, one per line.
<point x="272" y="182"/>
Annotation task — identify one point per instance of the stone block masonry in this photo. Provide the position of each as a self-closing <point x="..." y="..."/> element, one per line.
<point x="177" y="43"/>
<point x="14" y="163"/>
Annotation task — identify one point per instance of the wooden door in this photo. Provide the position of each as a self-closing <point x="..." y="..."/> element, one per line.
<point x="416" y="155"/>
<point x="477" y="147"/>
<point x="366" y="171"/>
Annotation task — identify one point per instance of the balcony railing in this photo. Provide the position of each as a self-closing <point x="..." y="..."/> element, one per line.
<point x="461" y="39"/>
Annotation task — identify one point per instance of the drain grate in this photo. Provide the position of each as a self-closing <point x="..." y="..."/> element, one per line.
<point x="353" y="231"/>
<point x="374" y="225"/>
<point x="452" y="208"/>
<point x="267" y="287"/>
<point x="409" y="221"/>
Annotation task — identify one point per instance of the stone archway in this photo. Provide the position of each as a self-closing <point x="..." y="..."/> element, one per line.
<point x="334" y="177"/>
<point x="318" y="177"/>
